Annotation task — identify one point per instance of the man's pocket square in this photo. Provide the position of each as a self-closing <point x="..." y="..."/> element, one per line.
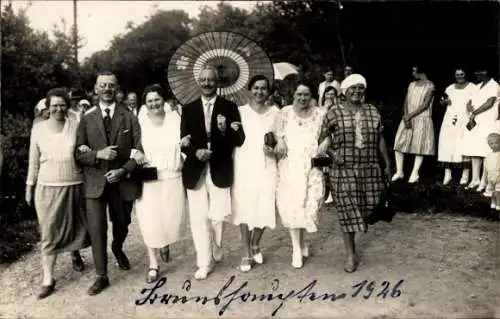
<point x="123" y="132"/>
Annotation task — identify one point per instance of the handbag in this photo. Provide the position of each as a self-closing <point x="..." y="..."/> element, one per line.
<point x="270" y="140"/>
<point x="321" y="161"/>
<point x="143" y="174"/>
<point x="471" y="124"/>
<point x="384" y="211"/>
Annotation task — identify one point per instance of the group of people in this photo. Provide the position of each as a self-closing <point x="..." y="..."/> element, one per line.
<point x="212" y="163"/>
<point x="470" y="124"/>
<point x="468" y="134"/>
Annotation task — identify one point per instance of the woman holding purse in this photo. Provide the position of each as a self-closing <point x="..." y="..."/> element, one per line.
<point x="161" y="210"/>
<point x="255" y="172"/>
<point x="353" y="133"/>
<point x="300" y="192"/>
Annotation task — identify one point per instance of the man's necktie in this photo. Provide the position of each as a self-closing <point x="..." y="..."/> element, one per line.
<point x="208" y="120"/>
<point x="107" y="124"/>
<point x="208" y="116"/>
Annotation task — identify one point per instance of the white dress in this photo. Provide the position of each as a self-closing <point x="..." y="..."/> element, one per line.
<point x="161" y="210"/>
<point x="453" y="126"/>
<point x="475" y="141"/>
<point x="255" y="174"/>
<point x="300" y="192"/>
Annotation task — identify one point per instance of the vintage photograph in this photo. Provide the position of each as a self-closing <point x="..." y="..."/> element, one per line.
<point x="250" y="159"/>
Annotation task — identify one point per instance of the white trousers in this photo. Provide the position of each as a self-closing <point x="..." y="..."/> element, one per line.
<point x="209" y="206"/>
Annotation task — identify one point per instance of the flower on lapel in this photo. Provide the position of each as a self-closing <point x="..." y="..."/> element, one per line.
<point x="221" y="122"/>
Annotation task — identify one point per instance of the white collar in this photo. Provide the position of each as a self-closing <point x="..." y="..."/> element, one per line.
<point x="204" y="100"/>
<point x="111" y="108"/>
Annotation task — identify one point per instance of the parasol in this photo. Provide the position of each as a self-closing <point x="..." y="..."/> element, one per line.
<point x="236" y="57"/>
<point x="283" y="69"/>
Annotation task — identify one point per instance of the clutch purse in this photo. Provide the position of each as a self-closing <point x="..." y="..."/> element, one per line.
<point x="270" y="140"/>
<point x="471" y="124"/>
<point x="384" y="211"/>
<point x="143" y="174"/>
<point x="323" y="161"/>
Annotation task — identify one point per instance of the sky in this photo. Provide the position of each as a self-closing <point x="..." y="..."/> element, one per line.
<point x="100" y="21"/>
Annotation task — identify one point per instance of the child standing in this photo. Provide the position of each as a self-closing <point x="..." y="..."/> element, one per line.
<point x="492" y="170"/>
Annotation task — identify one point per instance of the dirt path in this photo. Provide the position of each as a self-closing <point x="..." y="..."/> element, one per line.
<point x="450" y="267"/>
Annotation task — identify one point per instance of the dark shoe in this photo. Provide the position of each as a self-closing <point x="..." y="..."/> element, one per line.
<point x="121" y="259"/>
<point x="152" y="275"/>
<point x="78" y="264"/>
<point x="99" y="285"/>
<point x="351" y="265"/>
<point x="47" y="290"/>
<point x="165" y="254"/>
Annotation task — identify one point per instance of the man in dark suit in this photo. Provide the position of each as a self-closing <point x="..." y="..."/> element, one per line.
<point x="132" y="104"/>
<point x="107" y="135"/>
<point x="212" y="125"/>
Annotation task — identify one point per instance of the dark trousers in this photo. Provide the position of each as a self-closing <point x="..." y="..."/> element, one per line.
<point x="119" y="214"/>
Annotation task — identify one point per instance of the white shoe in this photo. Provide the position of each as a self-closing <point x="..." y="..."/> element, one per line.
<point x="297" y="260"/>
<point x="258" y="258"/>
<point x="481" y="188"/>
<point x="447" y="180"/>
<point x="413" y="179"/>
<point x="329" y="199"/>
<point x="488" y="193"/>
<point x="397" y="176"/>
<point x="202" y="273"/>
<point x="464" y="180"/>
<point x="473" y="185"/>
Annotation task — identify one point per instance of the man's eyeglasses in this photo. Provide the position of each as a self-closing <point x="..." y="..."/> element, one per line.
<point x="109" y="85"/>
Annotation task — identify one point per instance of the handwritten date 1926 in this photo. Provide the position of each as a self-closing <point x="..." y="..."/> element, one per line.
<point x="371" y="287"/>
<point x="226" y="296"/>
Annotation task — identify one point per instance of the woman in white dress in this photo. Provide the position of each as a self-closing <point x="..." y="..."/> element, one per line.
<point x="452" y="129"/>
<point x="483" y="110"/>
<point x="254" y="188"/>
<point x="161" y="210"/>
<point x="300" y="185"/>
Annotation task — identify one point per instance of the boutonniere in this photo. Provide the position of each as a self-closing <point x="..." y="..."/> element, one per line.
<point x="221" y="118"/>
<point x="221" y="122"/>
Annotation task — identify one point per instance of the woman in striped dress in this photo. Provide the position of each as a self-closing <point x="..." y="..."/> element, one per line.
<point x="352" y="135"/>
<point x="415" y="134"/>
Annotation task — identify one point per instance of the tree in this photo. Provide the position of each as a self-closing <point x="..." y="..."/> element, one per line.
<point x="64" y="45"/>
<point x="28" y="67"/>
<point x="141" y="56"/>
<point x="224" y="17"/>
<point x="31" y="65"/>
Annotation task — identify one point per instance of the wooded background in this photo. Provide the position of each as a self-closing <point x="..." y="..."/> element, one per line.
<point x="382" y="40"/>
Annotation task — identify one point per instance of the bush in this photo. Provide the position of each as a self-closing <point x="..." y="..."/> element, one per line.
<point x="16" y="131"/>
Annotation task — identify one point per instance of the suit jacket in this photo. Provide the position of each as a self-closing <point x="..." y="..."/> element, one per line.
<point x="222" y="145"/>
<point x="125" y="133"/>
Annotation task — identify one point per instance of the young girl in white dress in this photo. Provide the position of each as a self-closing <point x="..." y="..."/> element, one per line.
<point x="452" y="129"/>
<point x="255" y="173"/>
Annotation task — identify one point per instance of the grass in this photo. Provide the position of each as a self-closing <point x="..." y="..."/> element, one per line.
<point x="20" y="236"/>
